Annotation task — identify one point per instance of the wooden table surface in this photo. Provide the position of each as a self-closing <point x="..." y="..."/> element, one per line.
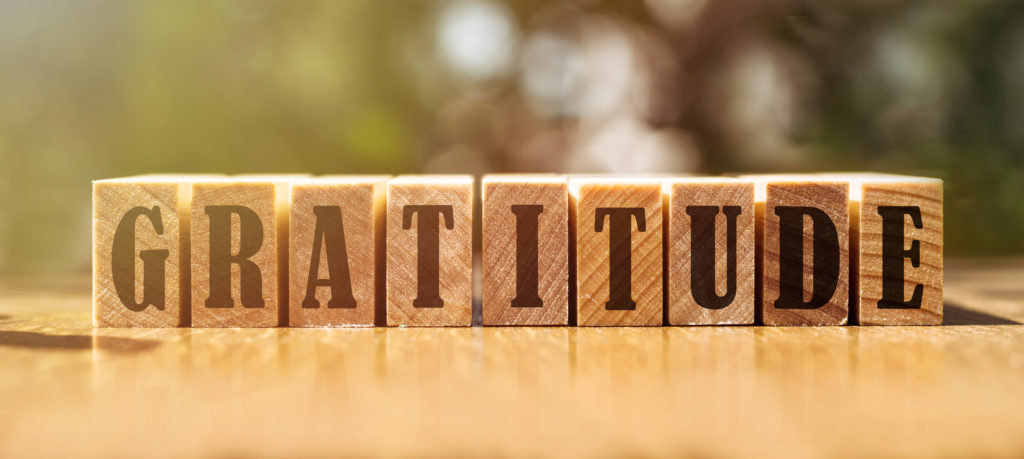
<point x="956" y="390"/>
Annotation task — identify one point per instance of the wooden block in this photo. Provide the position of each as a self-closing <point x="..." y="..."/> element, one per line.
<point x="618" y="250"/>
<point x="525" y="250"/>
<point x="139" y="257"/>
<point x="896" y="257"/>
<point x="239" y="245"/>
<point x="710" y="255"/>
<point x="803" y="249"/>
<point x="336" y="251"/>
<point x="430" y="250"/>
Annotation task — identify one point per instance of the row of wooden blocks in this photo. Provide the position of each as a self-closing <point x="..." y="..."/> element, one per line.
<point x="264" y="251"/>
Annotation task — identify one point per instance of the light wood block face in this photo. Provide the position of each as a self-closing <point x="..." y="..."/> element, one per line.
<point x="710" y="265"/>
<point x="138" y="274"/>
<point x="336" y="251"/>
<point x="618" y="250"/>
<point x="897" y="269"/>
<point x="430" y="251"/>
<point x="525" y="250"/>
<point x="237" y="252"/>
<point x="805" y="259"/>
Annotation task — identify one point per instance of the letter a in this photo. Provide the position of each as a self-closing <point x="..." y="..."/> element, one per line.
<point x="330" y="230"/>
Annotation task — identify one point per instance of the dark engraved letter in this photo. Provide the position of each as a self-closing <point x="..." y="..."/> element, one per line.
<point x="428" y="258"/>
<point x="250" y="239"/>
<point x="527" y="225"/>
<point x="123" y="262"/>
<point x="620" y="263"/>
<point x="893" y="253"/>
<point x="329" y="227"/>
<point x="703" y="259"/>
<point x="791" y="258"/>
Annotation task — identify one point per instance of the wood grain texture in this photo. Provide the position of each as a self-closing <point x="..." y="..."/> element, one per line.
<point x="830" y="197"/>
<point x="550" y="273"/>
<point x="157" y="230"/>
<point x="718" y="193"/>
<point x="908" y="193"/>
<point x="358" y="202"/>
<point x="595" y="268"/>
<point x="260" y="200"/>
<point x="282" y="211"/>
<point x="788" y="392"/>
<point x="453" y="272"/>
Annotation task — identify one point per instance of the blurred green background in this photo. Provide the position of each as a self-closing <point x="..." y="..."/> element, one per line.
<point x="97" y="89"/>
